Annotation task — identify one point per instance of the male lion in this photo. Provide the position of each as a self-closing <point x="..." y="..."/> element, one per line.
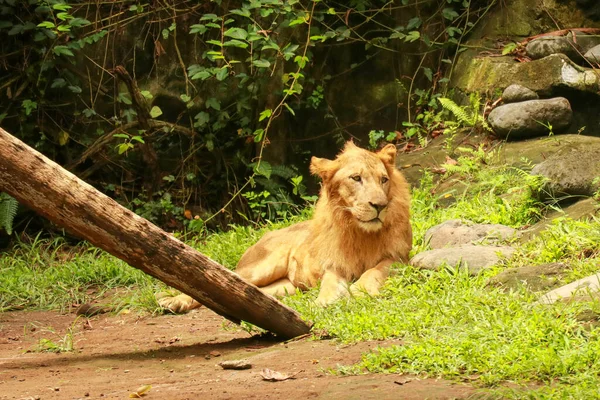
<point x="359" y="228"/>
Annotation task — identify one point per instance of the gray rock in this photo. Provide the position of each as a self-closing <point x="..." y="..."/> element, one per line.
<point x="473" y="258"/>
<point x="581" y="210"/>
<point x="549" y="45"/>
<point x="593" y="55"/>
<point x="515" y="93"/>
<point x="582" y="287"/>
<point x="525" y="119"/>
<point x="524" y="154"/>
<point x="543" y="76"/>
<point x="573" y="46"/>
<point x="571" y="172"/>
<point x="534" y="277"/>
<point x="456" y="232"/>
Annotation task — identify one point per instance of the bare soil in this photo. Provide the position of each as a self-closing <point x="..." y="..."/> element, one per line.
<point x="114" y="355"/>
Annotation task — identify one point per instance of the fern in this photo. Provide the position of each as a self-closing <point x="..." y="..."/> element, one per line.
<point x="468" y="116"/>
<point x="8" y="211"/>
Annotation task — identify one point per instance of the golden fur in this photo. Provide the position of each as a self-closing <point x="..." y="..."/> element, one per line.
<point x="359" y="228"/>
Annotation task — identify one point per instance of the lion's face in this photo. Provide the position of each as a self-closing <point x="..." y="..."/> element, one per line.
<point x="359" y="182"/>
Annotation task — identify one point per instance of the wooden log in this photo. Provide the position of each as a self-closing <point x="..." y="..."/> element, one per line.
<point x="60" y="196"/>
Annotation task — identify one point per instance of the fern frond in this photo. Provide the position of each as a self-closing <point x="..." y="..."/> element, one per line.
<point x="283" y="171"/>
<point x="8" y="212"/>
<point x="460" y="113"/>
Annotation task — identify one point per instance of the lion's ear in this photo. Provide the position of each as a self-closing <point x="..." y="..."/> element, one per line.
<point x="322" y="167"/>
<point x="388" y="154"/>
<point x="350" y="145"/>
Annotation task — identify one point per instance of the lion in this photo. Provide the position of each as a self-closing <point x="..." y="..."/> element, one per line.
<point x="359" y="228"/>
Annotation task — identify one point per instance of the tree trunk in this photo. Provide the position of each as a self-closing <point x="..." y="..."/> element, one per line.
<point x="58" y="195"/>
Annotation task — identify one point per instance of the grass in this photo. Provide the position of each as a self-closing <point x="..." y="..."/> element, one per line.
<point x="448" y="324"/>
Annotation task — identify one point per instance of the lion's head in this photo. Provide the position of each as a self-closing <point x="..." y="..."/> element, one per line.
<point x="358" y="183"/>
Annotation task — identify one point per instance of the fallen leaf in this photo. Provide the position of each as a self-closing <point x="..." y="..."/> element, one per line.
<point x="450" y="161"/>
<point x="402" y="381"/>
<point x="274" y="376"/>
<point x="141" y="391"/>
<point x="235" y="364"/>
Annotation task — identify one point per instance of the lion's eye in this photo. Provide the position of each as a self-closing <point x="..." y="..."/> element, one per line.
<point x="384" y="179"/>
<point x="356" y="178"/>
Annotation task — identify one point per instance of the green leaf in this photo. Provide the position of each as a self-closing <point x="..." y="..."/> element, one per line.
<point x="215" y="42"/>
<point x="61" y="7"/>
<point x="413" y="23"/>
<point x="58" y="83"/>
<point x="235" y="43"/>
<point x="202" y="119"/>
<point x="261" y="63"/>
<point x="124" y="98"/>
<point x="236" y="33"/>
<point x="222" y="74"/>
<point x="509" y="48"/>
<point x="62" y="50"/>
<point x="449" y="13"/>
<point x="298" y="21"/>
<point x="258" y="135"/>
<point x="209" y="17"/>
<point x="412" y="36"/>
<point x="289" y="109"/>
<point x="265" y="114"/>
<point x="79" y="22"/>
<point x="198" y="28"/>
<point x="46" y="24"/>
<point x="428" y="73"/>
<point x="244" y="12"/>
<point x="155" y="112"/>
<point x="213" y="103"/>
<point x="75" y="89"/>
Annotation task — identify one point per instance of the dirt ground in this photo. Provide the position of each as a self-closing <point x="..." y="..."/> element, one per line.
<point x="114" y="355"/>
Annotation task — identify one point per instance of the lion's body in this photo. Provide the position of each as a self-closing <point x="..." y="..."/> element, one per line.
<point x="359" y="228"/>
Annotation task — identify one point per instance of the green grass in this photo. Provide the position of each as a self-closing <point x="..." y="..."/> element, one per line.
<point x="446" y="323"/>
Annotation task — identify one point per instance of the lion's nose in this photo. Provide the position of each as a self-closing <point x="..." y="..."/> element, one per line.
<point x="378" y="206"/>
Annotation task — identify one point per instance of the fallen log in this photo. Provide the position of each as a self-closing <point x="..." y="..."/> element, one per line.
<point x="47" y="188"/>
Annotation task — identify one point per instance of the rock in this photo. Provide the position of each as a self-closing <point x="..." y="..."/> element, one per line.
<point x="524" y="154"/>
<point x="473" y="258"/>
<point x="593" y="55"/>
<point x="456" y="232"/>
<point x="571" y="172"/>
<point x="571" y="45"/>
<point x="549" y="45"/>
<point x="534" y="278"/>
<point x="515" y="93"/>
<point x="235" y="364"/>
<point x="583" y="209"/>
<point x="582" y="287"/>
<point x="526" y="119"/>
<point x="543" y="76"/>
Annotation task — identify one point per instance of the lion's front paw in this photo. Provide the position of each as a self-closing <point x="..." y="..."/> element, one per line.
<point x="177" y="304"/>
<point x="358" y="289"/>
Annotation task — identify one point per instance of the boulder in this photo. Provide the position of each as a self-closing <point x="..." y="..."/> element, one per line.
<point x="524" y="154"/>
<point x="544" y="76"/>
<point x="456" y="232"/>
<point x="573" y="45"/>
<point x="593" y="55"/>
<point x="549" y="45"/>
<point x="572" y="171"/>
<point x="531" y="118"/>
<point x="583" y="209"/>
<point x="470" y="257"/>
<point x="580" y="288"/>
<point x="515" y="93"/>
<point x="533" y="277"/>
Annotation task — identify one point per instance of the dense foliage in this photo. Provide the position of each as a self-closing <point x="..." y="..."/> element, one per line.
<point x="189" y="109"/>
